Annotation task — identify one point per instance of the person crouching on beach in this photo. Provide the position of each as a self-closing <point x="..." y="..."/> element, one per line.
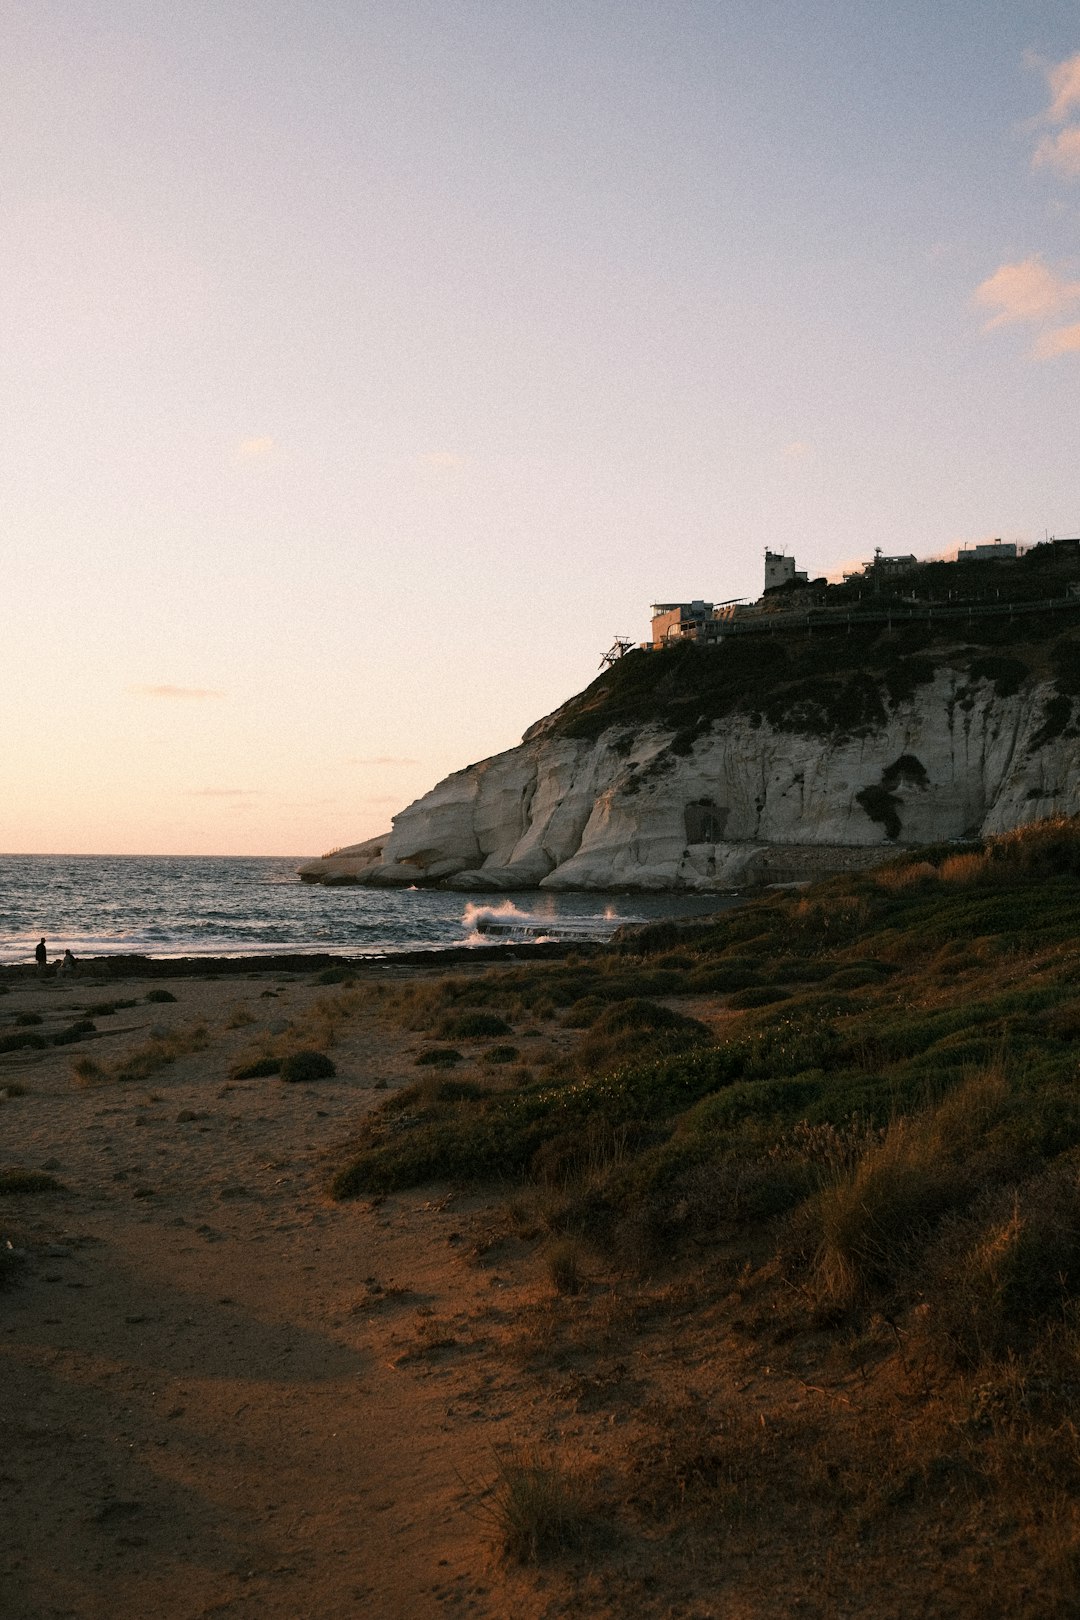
<point x="41" y="957"/>
<point x="68" y="964"/>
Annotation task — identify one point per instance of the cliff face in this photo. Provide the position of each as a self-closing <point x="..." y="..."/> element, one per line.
<point x="742" y="796"/>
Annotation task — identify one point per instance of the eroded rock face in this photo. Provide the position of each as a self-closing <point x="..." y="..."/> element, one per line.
<point x="744" y="802"/>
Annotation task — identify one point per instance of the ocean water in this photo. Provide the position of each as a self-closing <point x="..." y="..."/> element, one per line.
<point x="100" y="905"/>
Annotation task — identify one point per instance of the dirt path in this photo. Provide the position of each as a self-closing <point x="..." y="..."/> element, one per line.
<point x="224" y="1394"/>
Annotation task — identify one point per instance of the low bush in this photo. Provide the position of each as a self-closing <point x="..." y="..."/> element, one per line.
<point x="160" y="996"/>
<point x="764" y="995"/>
<point x="472" y="1025"/>
<point x="255" y="1068"/>
<point x="304" y="1066"/>
<point x="439" y="1056"/>
<point x="22" y="1041"/>
<point x="74" y="1032"/>
<point x="24" y="1183"/>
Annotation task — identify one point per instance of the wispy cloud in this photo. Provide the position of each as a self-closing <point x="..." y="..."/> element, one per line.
<point x="1061" y="152"/>
<point x="1027" y="291"/>
<point x="384" y="759"/>
<point x="1061" y="340"/>
<point x="1030" y="291"/>
<point x="224" y="793"/>
<point x="251" y="449"/>
<point x="183" y="693"/>
<point x="1063" y="80"/>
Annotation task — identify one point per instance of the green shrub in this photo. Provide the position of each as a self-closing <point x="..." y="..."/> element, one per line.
<point x="761" y="996"/>
<point x="473" y="1025"/>
<point x="440" y="1056"/>
<point x="302" y="1066"/>
<point x="723" y="977"/>
<point x="160" y="995"/>
<point x="340" y="973"/>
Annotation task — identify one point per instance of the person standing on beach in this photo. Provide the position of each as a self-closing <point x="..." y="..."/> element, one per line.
<point x="41" y="956"/>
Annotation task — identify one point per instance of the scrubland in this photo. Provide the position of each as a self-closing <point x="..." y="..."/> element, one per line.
<point x="733" y="1270"/>
<point x="828" y="1146"/>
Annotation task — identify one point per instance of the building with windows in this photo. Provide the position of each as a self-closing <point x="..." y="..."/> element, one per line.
<point x="781" y="570"/>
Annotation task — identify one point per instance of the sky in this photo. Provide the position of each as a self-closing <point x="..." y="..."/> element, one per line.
<point x="365" y="368"/>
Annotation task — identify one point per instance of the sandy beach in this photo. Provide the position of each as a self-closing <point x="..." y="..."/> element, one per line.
<point x="226" y="1393"/>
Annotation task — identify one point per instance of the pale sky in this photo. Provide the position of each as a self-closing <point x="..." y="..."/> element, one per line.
<point x="365" y="367"/>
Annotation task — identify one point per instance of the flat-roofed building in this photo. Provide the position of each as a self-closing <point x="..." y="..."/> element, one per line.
<point x="679" y="621"/>
<point x="989" y="551"/>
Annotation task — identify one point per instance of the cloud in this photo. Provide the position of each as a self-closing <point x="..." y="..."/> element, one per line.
<point x="1060" y="340"/>
<point x="223" y="793"/>
<point x="1061" y="152"/>
<point x="383" y="759"/>
<point x="1027" y="291"/>
<point x="1063" y="79"/>
<point x="186" y="693"/>
<point x="251" y="449"/>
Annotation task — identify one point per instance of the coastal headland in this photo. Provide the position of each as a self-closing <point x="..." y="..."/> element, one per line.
<point x="729" y="1269"/>
<point x="822" y="729"/>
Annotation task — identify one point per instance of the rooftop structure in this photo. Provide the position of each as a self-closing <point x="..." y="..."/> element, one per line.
<point x="781" y="570"/>
<point x="993" y="551"/>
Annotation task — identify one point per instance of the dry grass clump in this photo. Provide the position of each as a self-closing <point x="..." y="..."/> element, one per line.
<point x="564" y="1267"/>
<point x="538" y="1508"/>
<point x="142" y="1061"/>
<point x="968" y="868"/>
<point x="1005" y="1276"/>
<point x="871" y="1213"/>
<point x="910" y="875"/>
<point x="1044" y="849"/>
<point x="321" y="1024"/>
<point x="693" y="1459"/>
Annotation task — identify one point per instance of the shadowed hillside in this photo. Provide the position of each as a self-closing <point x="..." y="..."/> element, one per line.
<point x="846" y="1126"/>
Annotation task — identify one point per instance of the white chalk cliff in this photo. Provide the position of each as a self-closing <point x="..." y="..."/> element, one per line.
<point x="744" y="801"/>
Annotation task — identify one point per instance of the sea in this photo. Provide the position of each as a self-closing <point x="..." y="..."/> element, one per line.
<point x="193" y="905"/>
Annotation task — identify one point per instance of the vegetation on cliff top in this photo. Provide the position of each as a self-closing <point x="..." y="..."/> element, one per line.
<point x="837" y="681"/>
